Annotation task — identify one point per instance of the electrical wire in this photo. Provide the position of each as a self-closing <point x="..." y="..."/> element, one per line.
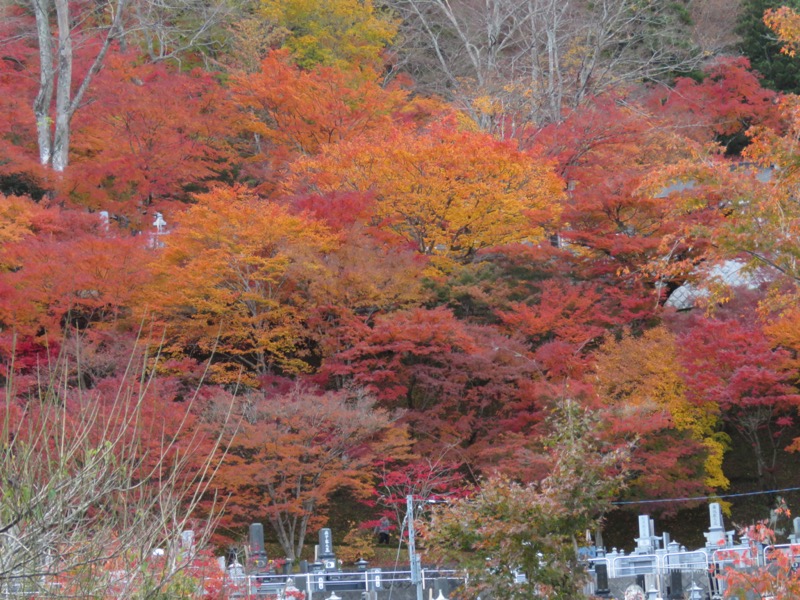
<point x="712" y="497"/>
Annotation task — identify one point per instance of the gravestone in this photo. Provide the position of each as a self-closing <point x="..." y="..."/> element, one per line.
<point x="646" y="542"/>
<point x="715" y="536"/>
<point x="236" y="573"/>
<point x="794" y="538"/>
<point x="675" y="584"/>
<point x="325" y="554"/>
<point x="601" y="572"/>
<point x="258" y="555"/>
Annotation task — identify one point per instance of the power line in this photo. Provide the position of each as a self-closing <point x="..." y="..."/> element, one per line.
<point x="714" y="497"/>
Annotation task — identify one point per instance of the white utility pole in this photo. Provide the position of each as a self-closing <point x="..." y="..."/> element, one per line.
<point x="416" y="570"/>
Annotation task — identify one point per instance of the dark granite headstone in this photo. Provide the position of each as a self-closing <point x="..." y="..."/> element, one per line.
<point x="258" y="555"/>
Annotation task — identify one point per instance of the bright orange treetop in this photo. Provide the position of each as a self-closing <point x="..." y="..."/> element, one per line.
<point x="233" y="280"/>
<point x="291" y="112"/>
<point x="447" y="192"/>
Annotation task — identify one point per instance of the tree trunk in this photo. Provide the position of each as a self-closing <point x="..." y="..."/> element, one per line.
<point x="41" y="105"/>
<point x="55" y="73"/>
<point x="60" y="148"/>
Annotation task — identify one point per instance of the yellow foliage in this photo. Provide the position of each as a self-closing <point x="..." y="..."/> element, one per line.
<point x="357" y="543"/>
<point x="785" y="22"/>
<point x="332" y="32"/>
<point x="16" y="217"/>
<point x="487" y="105"/>
<point x="716" y="446"/>
<point x="644" y="372"/>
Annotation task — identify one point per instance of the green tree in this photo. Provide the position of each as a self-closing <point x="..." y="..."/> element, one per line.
<point x="506" y="526"/>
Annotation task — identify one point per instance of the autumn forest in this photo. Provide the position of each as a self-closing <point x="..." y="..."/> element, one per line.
<point x="302" y="258"/>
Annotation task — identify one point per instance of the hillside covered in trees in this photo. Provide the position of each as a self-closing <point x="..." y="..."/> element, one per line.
<point x="294" y="255"/>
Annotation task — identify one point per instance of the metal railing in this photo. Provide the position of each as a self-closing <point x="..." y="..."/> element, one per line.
<point x="627" y="565"/>
<point x="657" y="567"/>
<point x="317" y="583"/>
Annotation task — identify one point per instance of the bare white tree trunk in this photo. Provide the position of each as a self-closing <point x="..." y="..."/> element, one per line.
<point x="157" y="21"/>
<point x="55" y="74"/>
<point x="64" y="87"/>
<point x="41" y="105"/>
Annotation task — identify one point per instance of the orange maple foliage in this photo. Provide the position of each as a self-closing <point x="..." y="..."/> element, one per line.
<point x="61" y="267"/>
<point x="765" y="220"/>
<point x="290" y="112"/>
<point x="21" y="217"/>
<point x="365" y="278"/>
<point x="447" y="192"/>
<point x="621" y="212"/>
<point x="776" y="577"/>
<point x="20" y="172"/>
<point x="785" y="22"/>
<point x="639" y="382"/>
<point x="233" y="280"/>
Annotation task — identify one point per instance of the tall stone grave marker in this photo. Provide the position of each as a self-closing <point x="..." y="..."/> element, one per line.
<point x="715" y="536"/>
<point x="325" y="554"/>
<point x="258" y="554"/>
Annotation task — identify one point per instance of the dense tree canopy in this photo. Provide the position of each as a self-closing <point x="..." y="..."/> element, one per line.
<point x="395" y="240"/>
<point x="447" y="192"/>
<point x="240" y="266"/>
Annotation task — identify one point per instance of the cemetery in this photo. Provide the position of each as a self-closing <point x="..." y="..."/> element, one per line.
<point x="659" y="568"/>
<point x="324" y="578"/>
